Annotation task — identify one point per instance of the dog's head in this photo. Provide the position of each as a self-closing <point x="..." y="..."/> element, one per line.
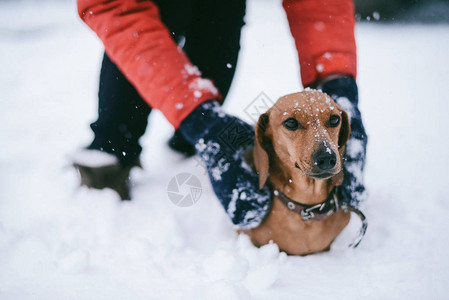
<point x="307" y="131"/>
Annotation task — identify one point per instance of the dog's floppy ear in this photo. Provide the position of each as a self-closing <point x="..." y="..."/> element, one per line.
<point x="261" y="160"/>
<point x="345" y="130"/>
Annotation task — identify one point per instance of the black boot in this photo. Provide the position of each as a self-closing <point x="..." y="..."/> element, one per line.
<point x="109" y="173"/>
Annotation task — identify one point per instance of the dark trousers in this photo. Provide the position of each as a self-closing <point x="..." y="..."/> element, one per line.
<point x="208" y="31"/>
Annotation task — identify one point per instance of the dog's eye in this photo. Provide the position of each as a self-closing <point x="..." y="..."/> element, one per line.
<point x="334" y="121"/>
<point x="291" y="124"/>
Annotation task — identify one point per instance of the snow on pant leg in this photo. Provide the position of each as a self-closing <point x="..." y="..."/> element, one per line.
<point x="122" y="115"/>
<point x="213" y="42"/>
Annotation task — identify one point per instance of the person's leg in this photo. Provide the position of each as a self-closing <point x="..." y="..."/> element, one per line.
<point x="213" y="43"/>
<point x="122" y="116"/>
<point x="122" y="113"/>
<point x="122" y="120"/>
<point x="211" y="33"/>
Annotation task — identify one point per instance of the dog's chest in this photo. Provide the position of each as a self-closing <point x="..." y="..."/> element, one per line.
<point x="296" y="236"/>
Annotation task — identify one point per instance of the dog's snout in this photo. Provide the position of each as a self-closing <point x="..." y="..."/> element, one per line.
<point x="324" y="158"/>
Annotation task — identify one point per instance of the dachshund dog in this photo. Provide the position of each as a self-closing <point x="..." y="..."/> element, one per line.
<point x="298" y="151"/>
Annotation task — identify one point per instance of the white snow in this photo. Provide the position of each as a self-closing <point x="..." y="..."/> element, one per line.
<point x="202" y="84"/>
<point x="232" y="204"/>
<point x="93" y="158"/>
<point x="354" y="148"/>
<point x="58" y="241"/>
<point x="197" y="94"/>
<point x="222" y="166"/>
<point x="192" y="70"/>
<point x="346" y="105"/>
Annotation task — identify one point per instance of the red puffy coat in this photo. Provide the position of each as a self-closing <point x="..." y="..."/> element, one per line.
<point x="141" y="46"/>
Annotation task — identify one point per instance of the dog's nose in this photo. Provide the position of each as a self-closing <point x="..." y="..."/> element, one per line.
<point x="324" y="158"/>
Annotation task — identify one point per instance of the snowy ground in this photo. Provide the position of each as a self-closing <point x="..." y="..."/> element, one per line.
<point x="61" y="242"/>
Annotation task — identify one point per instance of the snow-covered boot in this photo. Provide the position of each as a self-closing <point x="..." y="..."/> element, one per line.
<point x="101" y="170"/>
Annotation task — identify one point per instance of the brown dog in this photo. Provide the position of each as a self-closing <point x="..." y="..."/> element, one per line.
<point x="300" y="143"/>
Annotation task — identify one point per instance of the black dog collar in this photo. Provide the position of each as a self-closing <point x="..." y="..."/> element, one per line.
<point x="317" y="212"/>
<point x="321" y="211"/>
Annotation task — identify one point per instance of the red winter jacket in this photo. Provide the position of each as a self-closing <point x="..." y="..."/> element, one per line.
<point x="141" y="46"/>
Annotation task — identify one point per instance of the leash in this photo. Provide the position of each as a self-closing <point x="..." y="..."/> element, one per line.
<point x="321" y="211"/>
<point x="362" y="230"/>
